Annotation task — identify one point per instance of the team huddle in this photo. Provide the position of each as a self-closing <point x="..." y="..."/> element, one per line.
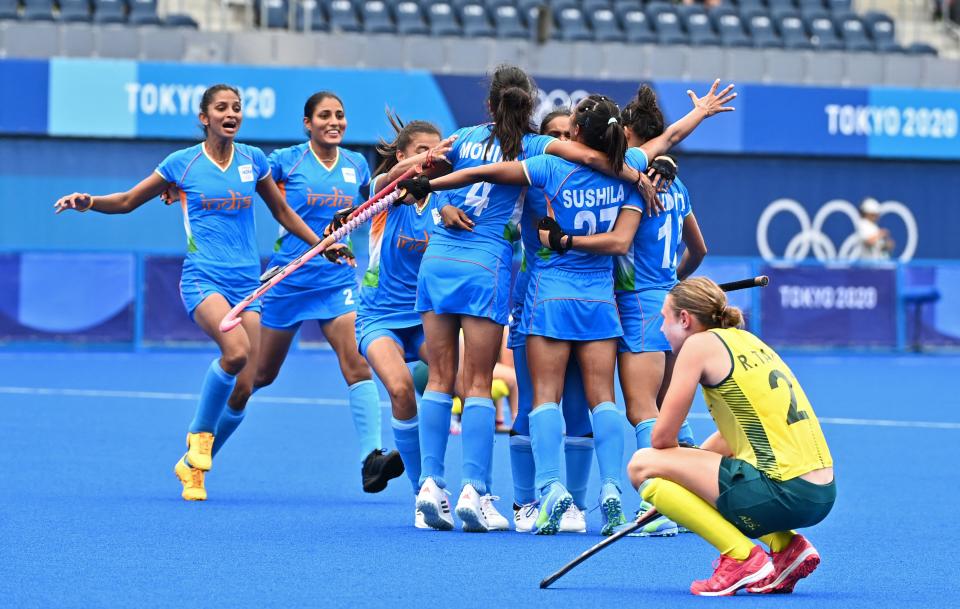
<point x="609" y="240"/>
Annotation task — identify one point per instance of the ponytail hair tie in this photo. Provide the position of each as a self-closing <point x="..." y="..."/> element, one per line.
<point x="612" y="121"/>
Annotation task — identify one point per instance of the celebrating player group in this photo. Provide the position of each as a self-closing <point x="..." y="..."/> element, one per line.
<point x="609" y="241"/>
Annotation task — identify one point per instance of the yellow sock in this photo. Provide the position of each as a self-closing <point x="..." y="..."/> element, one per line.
<point x="779" y="541"/>
<point x="499" y="390"/>
<point x="686" y="508"/>
<point x="457" y="406"/>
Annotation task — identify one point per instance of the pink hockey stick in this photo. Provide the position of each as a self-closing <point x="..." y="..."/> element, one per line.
<point x="377" y="203"/>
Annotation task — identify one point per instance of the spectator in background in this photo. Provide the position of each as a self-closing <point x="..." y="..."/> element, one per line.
<point x="875" y="242"/>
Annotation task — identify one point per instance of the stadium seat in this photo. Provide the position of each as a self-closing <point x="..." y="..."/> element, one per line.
<point x="75" y="11"/>
<point x="508" y="23"/>
<point x="792" y="31"/>
<point x="728" y="24"/>
<point x="8" y="9"/>
<point x="180" y="20"/>
<point x="807" y="6"/>
<point x="589" y="6"/>
<point x="636" y="27"/>
<point x="666" y="24"/>
<point x="921" y="48"/>
<point x="840" y="6"/>
<point x="376" y="18"/>
<point x="881" y="28"/>
<point x="492" y="5"/>
<point x="442" y="20"/>
<point x="620" y="6"/>
<point x="312" y="16"/>
<point x="37" y="10"/>
<point x="271" y="13"/>
<point x="343" y="17"/>
<point x="572" y="25"/>
<point x="698" y="25"/>
<point x="143" y="12"/>
<point x="853" y="32"/>
<point x="410" y="19"/>
<point x="109" y="11"/>
<point x="776" y="6"/>
<point x="764" y="35"/>
<point x="605" y="26"/>
<point x="558" y="5"/>
<point x="823" y="32"/>
<point x="746" y="5"/>
<point x="475" y="22"/>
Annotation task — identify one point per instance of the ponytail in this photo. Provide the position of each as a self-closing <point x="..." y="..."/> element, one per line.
<point x="643" y="116"/>
<point x="599" y="120"/>
<point x="511" y="100"/>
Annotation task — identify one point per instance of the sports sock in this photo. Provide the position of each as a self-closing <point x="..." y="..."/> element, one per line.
<point x="578" y="453"/>
<point x="478" y="426"/>
<point x="608" y="440"/>
<point x="643" y="430"/>
<point x="687" y="509"/>
<point x="523" y="468"/>
<point x="778" y="541"/>
<point x="365" y="409"/>
<point x="228" y="423"/>
<point x="216" y="388"/>
<point x="686" y="434"/>
<point x="406" y="435"/>
<point x="546" y="437"/>
<point x="434" y="431"/>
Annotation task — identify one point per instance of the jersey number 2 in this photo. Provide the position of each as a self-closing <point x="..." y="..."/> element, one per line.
<point x="794" y="414"/>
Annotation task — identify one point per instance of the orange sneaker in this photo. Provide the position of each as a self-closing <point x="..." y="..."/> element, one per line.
<point x="200" y="450"/>
<point x="798" y="560"/>
<point x="731" y="574"/>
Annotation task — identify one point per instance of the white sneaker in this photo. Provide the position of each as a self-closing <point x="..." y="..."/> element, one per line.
<point x="495" y="520"/>
<point x="433" y="504"/>
<point x="418" y="521"/>
<point x="573" y="520"/>
<point x="525" y="517"/>
<point x="470" y="511"/>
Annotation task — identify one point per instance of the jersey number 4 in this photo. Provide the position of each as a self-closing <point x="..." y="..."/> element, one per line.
<point x="794" y="414"/>
<point x="478" y="197"/>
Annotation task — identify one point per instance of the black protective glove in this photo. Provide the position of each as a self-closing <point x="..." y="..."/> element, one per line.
<point x="417" y="187"/>
<point x="556" y="235"/>
<point x="666" y="167"/>
<point x="339" y="219"/>
<point x="335" y="254"/>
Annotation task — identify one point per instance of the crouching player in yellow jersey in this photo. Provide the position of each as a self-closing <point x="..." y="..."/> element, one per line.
<point x="765" y="472"/>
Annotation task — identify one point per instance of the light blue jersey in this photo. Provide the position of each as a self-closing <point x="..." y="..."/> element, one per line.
<point x="219" y="221"/>
<point x="651" y="262"/>
<point x="583" y="202"/>
<point x="398" y="240"/>
<point x="315" y="193"/>
<point x="495" y="209"/>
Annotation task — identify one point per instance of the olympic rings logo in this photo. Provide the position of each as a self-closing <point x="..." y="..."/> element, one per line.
<point x="811" y="236"/>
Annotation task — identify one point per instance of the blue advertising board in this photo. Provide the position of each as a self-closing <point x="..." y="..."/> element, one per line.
<point x="815" y="306"/>
<point x="160" y="100"/>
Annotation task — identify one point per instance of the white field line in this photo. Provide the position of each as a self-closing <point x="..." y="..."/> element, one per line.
<point x="192" y="397"/>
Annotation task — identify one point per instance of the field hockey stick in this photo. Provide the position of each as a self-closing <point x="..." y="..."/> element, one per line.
<point x="377" y="203"/>
<point x="743" y="284"/>
<point x="647" y="517"/>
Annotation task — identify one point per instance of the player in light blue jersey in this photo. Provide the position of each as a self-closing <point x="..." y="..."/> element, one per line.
<point x="318" y="177"/>
<point x="389" y="330"/>
<point x="464" y="283"/>
<point x="216" y="181"/>
<point x="578" y="441"/>
<point x="646" y="268"/>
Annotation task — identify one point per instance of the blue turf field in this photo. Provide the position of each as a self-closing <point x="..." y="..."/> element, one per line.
<point x="90" y="513"/>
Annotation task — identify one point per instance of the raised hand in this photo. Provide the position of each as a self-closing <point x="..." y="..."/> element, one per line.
<point x="713" y="102"/>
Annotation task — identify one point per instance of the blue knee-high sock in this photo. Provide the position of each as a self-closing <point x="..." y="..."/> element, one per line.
<point x="478" y="424"/>
<point x="523" y="468"/>
<point x="643" y="430"/>
<point x="546" y="440"/>
<point x="489" y="479"/>
<point x="435" y="410"/>
<point x="578" y="453"/>
<point x="686" y="433"/>
<point x="365" y="409"/>
<point x="228" y="423"/>
<point x="406" y="435"/>
<point x="608" y="440"/>
<point x="217" y="386"/>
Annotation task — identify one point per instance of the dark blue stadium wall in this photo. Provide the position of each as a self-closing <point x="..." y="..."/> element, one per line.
<point x="729" y="195"/>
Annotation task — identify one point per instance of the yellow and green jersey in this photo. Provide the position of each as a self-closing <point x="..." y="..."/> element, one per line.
<point x="763" y="413"/>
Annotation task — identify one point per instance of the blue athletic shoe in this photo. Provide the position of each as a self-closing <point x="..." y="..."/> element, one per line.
<point x="660" y="527"/>
<point x="611" y="508"/>
<point x="552" y="507"/>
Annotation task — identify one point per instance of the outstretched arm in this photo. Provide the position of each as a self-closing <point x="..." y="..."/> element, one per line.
<point x="117" y="203"/>
<point x="575" y="152"/>
<point x="435" y="159"/>
<point x="283" y="213"/>
<point x="703" y="107"/>
<point x="509" y="173"/>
